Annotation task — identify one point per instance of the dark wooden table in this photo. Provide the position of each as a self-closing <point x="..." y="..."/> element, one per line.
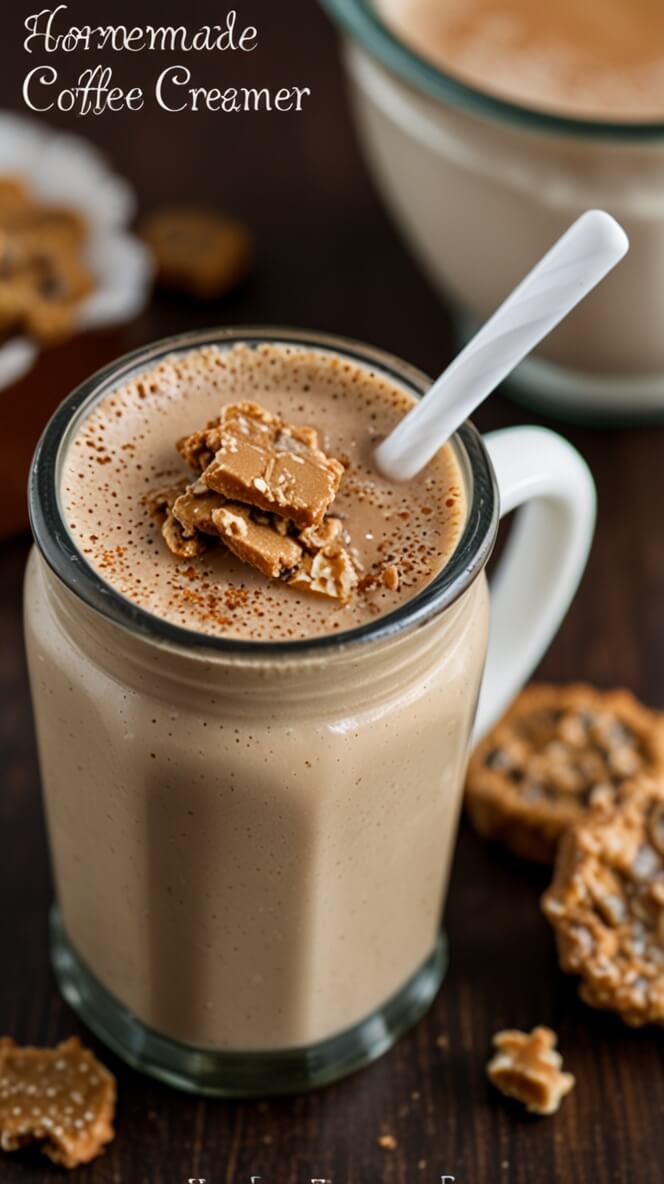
<point x="328" y="258"/>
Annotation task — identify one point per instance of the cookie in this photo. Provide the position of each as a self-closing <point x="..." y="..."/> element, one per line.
<point x="198" y="252"/>
<point x="43" y="301"/>
<point x="61" y="1097"/>
<point x="606" y="902"/>
<point x="14" y="199"/>
<point x="56" y="226"/>
<point x="528" y="1067"/>
<point x="13" y="302"/>
<point x="556" y="751"/>
<point x="59" y="282"/>
<point x="43" y="278"/>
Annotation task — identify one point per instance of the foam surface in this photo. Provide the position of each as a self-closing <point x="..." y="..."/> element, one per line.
<point x="575" y="57"/>
<point x="126" y="447"/>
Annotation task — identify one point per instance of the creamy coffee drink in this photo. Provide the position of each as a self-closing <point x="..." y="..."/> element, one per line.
<point x="126" y="448"/>
<point x="251" y="847"/>
<point x="600" y="61"/>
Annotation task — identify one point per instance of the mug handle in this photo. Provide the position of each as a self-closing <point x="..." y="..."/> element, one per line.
<point x="544" y="558"/>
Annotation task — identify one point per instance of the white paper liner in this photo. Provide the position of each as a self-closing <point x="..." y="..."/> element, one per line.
<point x="65" y="169"/>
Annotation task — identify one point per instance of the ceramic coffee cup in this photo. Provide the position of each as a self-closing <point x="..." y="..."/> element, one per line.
<point x="480" y="187"/>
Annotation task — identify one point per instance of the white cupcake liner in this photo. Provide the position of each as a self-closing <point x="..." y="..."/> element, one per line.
<point x="64" y="169"/>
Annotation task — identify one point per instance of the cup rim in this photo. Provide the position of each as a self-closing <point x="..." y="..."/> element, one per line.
<point x="59" y="550"/>
<point x="360" y="19"/>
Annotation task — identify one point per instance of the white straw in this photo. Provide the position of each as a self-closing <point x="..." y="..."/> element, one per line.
<point x="569" y="271"/>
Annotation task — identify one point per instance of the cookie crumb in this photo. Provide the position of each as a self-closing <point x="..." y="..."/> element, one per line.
<point x="527" y="1066"/>
<point x="391" y="578"/>
<point x="388" y="1142"/>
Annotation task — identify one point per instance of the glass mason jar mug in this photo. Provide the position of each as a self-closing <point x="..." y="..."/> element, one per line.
<point x="251" y="841"/>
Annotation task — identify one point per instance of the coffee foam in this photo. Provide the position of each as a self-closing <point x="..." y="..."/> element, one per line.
<point x="126" y="447"/>
<point x="602" y="61"/>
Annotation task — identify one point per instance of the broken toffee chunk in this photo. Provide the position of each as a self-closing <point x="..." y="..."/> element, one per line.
<point x="194" y="508"/>
<point x="60" y="1097"/>
<point x="264" y="462"/>
<point x="199" y="448"/>
<point x="263" y="541"/>
<point x="328" y="572"/>
<point x="316" y="537"/>
<point x="260" y="545"/>
<point x="179" y="543"/>
<point x="606" y="903"/>
<point x="527" y="1066"/>
<point x="160" y="503"/>
<point x="328" y="569"/>
<point x="557" y="750"/>
<point x="263" y="489"/>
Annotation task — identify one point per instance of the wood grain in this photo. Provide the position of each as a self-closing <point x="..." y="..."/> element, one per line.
<point x="328" y="258"/>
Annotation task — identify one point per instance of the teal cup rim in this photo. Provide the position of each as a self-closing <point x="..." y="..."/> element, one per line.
<point x="359" y="20"/>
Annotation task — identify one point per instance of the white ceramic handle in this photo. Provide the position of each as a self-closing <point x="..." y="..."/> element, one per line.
<point x="544" y="557"/>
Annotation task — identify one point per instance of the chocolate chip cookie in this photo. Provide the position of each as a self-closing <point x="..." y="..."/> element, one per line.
<point x="556" y="751"/>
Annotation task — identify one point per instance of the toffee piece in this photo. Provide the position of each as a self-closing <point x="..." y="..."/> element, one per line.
<point x="556" y="751"/>
<point x="265" y="462"/>
<point x="606" y="903"/>
<point x="61" y="1097"/>
<point x="263" y="490"/>
<point x="329" y="572"/>
<point x="180" y="542"/>
<point x="260" y="545"/>
<point x="194" y="510"/>
<point x="527" y="1067"/>
<point x="199" y="448"/>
